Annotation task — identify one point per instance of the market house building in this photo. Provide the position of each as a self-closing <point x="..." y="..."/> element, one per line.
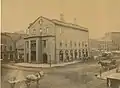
<point x="54" y="41"/>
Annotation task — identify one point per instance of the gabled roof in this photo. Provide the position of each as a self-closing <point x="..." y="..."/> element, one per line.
<point x="38" y="19"/>
<point x="55" y="21"/>
<point x="69" y="25"/>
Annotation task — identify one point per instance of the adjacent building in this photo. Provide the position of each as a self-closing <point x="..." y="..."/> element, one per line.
<point x="7" y="47"/>
<point x="54" y="41"/>
<point x="11" y="45"/>
<point x="110" y="42"/>
<point x="94" y="47"/>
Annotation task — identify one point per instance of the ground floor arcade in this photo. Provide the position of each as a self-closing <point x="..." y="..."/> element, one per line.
<point x="43" y="50"/>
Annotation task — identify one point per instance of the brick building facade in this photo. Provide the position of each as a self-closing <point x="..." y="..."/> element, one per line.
<point x="54" y="41"/>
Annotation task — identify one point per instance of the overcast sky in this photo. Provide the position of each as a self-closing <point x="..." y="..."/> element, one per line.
<point x="99" y="16"/>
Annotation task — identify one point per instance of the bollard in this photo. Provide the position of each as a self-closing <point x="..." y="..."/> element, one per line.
<point x="100" y="72"/>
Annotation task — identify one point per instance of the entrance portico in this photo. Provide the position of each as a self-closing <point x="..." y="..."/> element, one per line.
<point x="32" y="51"/>
<point x="39" y="49"/>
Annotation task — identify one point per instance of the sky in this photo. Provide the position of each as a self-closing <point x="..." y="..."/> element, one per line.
<point x="99" y="16"/>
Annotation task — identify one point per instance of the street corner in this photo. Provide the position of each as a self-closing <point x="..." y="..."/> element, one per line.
<point x="104" y="75"/>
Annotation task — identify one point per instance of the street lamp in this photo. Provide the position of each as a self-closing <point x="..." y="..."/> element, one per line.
<point x="50" y="60"/>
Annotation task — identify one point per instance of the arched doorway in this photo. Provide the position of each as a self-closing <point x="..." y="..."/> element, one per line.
<point x="71" y="54"/>
<point x="75" y="54"/>
<point x="80" y="54"/>
<point x="67" y="55"/>
<point x="61" y="55"/>
<point x="44" y="58"/>
<point x="86" y="53"/>
<point x="83" y="53"/>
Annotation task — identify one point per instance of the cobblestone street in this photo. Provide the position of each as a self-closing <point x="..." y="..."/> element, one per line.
<point x="70" y="76"/>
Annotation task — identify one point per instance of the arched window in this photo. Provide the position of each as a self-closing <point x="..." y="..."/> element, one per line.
<point x="46" y="30"/>
<point x="40" y="31"/>
<point x="85" y="45"/>
<point x="61" y="31"/>
<point x="40" y="21"/>
<point x="34" y="31"/>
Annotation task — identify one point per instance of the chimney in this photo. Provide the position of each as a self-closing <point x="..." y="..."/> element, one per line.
<point x="74" y="21"/>
<point x="61" y="17"/>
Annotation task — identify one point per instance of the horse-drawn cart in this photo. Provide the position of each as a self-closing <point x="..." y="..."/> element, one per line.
<point x="108" y="64"/>
<point x="27" y="80"/>
<point x="34" y="78"/>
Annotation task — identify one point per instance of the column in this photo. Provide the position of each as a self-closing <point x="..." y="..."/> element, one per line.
<point x="81" y="53"/>
<point x="40" y="50"/>
<point x="29" y="51"/>
<point x="49" y="50"/>
<point x="37" y="50"/>
<point x="64" y="55"/>
<point x="25" y="54"/>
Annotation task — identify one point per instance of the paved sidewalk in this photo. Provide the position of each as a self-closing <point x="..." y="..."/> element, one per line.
<point x="31" y="65"/>
<point x="104" y="75"/>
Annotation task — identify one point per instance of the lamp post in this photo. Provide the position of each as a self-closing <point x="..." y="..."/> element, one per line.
<point x="50" y="60"/>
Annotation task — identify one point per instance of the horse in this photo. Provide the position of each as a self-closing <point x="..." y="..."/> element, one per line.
<point x="113" y="62"/>
<point x="34" y="78"/>
<point x="103" y="64"/>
